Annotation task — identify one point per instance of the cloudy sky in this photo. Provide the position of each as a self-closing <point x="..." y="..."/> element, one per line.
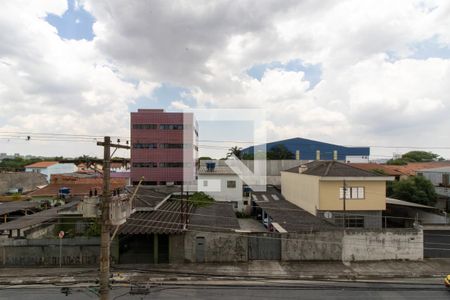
<point x="350" y="72"/>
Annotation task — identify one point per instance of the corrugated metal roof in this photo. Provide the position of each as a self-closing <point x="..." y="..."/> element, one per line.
<point x="218" y="216"/>
<point x="289" y="216"/>
<point x="436" y="170"/>
<point x="12" y="206"/>
<point x="151" y="196"/>
<point x="393" y="201"/>
<point x="37" y="218"/>
<point x="164" y="220"/>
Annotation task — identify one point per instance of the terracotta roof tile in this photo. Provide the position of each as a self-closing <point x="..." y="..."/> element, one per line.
<point x="42" y="164"/>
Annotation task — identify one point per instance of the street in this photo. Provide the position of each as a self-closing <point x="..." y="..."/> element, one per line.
<point x="253" y="290"/>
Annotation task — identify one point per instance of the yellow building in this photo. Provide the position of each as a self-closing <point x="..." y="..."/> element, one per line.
<point x="338" y="192"/>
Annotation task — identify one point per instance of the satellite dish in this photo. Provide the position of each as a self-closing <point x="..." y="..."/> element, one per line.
<point x="327" y="215"/>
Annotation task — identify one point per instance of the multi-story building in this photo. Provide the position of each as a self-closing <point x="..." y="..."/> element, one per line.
<point x="163" y="147"/>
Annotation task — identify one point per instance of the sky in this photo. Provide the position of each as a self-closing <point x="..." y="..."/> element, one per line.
<point x="351" y="72"/>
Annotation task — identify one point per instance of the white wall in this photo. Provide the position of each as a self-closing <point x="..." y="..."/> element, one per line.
<point x="54" y="169"/>
<point x="216" y="187"/>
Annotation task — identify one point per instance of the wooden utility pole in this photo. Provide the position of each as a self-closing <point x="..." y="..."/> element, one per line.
<point x="105" y="239"/>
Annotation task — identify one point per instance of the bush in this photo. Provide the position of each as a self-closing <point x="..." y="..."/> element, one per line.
<point x="199" y="199"/>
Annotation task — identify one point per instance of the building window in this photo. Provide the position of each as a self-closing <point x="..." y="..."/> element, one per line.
<point x="171" y="165"/>
<point x="145" y="165"/>
<point x="171" y="126"/>
<point x="171" y="146"/>
<point x="245" y="202"/>
<point x="145" y="126"/>
<point x="231" y="184"/>
<point x="351" y="221"/>
<point x="205" y="182"/>
<point x="144" y="146"/>
<point x="352" y="193"/>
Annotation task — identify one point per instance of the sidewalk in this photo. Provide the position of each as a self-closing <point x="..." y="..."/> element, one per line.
<point x="271" y="270"/>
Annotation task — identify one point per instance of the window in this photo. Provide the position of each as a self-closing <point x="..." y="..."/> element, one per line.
<point x="171" y="165"/>
<point x="205" y="182"/>
<point x="171" y="126"/>
<point x="145" y="165"/>
<point x="171" y="146"/>
<point x="351" y="221"/>
<point x="144" y="126"/>
<point x="445" y="179"/>
<point x="231" y="184"/>
<point x="144" y="146"/>
<point x="245" y="202"/>
<point x="352" y="193"/>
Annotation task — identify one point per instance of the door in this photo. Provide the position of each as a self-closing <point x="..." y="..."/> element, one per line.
<point x="200" y="249"/>
<point x="264" y="247"/>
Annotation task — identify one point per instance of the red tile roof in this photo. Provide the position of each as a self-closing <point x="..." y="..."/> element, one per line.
<point x="410" y="169"/>
<point x="75" y="189"/>
<point x="42" y="164"/>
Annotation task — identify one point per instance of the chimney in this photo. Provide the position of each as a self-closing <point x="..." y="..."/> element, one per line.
<point x="302" y="168"/>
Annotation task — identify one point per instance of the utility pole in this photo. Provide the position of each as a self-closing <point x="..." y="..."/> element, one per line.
<point x="105" y="239"/>
<point x="345" y="198"/>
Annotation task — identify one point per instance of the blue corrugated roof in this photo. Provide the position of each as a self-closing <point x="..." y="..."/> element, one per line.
<point x="308" y="149"/>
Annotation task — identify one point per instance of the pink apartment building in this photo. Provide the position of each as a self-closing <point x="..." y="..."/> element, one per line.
<point x="163" y="145"/>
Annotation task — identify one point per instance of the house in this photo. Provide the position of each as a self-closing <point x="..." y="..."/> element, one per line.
<point x="338" y="192"/>
<point x="224" y="185"/>
<point x="305" y="149"/>
<point x="440" y="178"/>
<point x="163" y="147"/>
<point x="49" y="168"/>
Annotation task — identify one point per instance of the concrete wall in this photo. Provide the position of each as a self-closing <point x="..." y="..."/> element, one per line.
<point x="391" y="244"/>
<point x="302" y="190"/>
<point x="312" y="246"/>
<point x="78" y="251"/>
<point x="176" y="248"/>
<point x="219" y="247"/>
<point x="27" y="181"/>
<point x="374" y="195"/>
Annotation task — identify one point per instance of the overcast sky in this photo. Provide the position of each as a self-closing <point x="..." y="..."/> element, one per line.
<point x="348" y="72"/>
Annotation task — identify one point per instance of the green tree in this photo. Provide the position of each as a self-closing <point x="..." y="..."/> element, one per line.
<point x="237" y="151"/>
<point x="204" y="158"/>
<point x="199" y="199"/>
<point x="280" y="152"/>
<point x="415" y="156"/>
<point x="415" y="189"/>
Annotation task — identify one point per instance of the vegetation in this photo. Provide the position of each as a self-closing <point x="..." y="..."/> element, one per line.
<point x="415" y="189"/>
<point x="94" y="228"/>
<point x="415" y="156"/>
<point x="16" y="164"/>
<point x="200" y="199"/>
<point x="236" y="151"/>
<point x="280" y="152"/>
<point x="204" y="158"/>
<point x="242" y="215"/>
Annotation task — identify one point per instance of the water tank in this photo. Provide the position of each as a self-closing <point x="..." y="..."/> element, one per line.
<point x="210" y="166"/>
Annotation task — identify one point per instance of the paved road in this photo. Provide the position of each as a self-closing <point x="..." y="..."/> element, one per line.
<point x="313" y="290"/>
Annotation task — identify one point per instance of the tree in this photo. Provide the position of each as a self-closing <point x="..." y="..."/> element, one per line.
<point x="199" y="199"/>
<point x="280" y="152"/>
<point x="415" y="189"/>
<point x="237" y="151"/>
<point x="204" y="158"/>
<point x="415" y="156"/>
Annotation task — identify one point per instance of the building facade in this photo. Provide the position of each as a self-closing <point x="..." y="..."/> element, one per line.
<point x="48" y="168"/>
<point x="163" y="147"/>
<point x="338" y="192"/>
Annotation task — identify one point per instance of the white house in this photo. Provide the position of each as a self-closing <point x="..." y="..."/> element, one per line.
<point x="222" y="184"/>
<point x="51" y="167"/>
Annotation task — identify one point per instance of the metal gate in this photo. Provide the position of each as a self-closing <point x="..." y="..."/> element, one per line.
<point x="265" y="246"/>
<point x="200" y="249"/>
<point x="436" y="243"/>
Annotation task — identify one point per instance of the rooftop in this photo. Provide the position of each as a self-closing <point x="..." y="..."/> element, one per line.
<point x="289" y="216"/>
<point x="42" y="217"/>
<point x="13" y="206"/>
<point x="218" y="216"/>
<point x="42" y="164"/>
<point x="76" y="189"/>
<point x="164" y="220"/>
<point x="150" y="196"/>
<point x="218" y="170"/>
<point x="437" y="170"/>
<point x="331" y="168"/>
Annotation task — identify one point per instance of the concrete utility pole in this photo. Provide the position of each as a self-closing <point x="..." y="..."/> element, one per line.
<point x="345" y="198"/>
<point x="105" y="239"/>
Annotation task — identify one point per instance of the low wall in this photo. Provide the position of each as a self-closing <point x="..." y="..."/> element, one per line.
<point x="325" y="245"/>
<point x="219" y="247"/>
<point x="77" y="251"/>
<point x="386" y="244"/>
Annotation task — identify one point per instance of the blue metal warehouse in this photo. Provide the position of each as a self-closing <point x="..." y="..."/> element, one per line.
<point x="308" y="149"/>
